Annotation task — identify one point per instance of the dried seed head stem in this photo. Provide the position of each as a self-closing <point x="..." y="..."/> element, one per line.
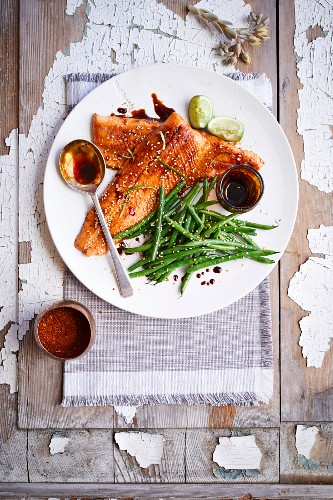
<point x="233" y="49"/>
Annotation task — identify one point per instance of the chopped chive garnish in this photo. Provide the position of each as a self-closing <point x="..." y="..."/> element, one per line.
<point x="127" y="198"/>
<point x="134" y="188"/>
<point x="171" y="168"/>
<point x="131" y="157"/>
<point x="163" y="139"/>
<point x="131" y="153"/>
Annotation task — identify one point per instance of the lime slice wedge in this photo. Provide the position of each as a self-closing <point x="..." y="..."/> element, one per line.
<point x="226" y="128"/>
<point x="200" y="111"/>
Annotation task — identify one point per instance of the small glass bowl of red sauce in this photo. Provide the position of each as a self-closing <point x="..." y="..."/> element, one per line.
<point x="65" y="330"/>
<point x="239" y="189"/>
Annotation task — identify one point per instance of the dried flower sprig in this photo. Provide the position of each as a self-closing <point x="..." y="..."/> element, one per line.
<point x="234" y="47"/>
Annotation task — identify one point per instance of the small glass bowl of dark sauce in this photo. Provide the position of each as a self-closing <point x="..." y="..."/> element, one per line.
<point x="239" y="189"/>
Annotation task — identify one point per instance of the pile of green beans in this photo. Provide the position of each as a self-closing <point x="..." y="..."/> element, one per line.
<point x="183" y="232"/>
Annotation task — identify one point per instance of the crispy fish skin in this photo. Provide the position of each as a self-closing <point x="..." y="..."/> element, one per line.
<point x="114" y="135"/>
<point x="194" y="153"/>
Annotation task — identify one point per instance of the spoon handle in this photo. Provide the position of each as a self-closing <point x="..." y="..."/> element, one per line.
<point x="123" y="279"/>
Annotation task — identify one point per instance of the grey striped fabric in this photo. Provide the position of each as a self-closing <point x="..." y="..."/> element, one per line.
<point x="221" y="358"/>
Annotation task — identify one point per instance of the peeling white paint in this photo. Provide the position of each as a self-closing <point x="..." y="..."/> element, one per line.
<point x="127" y="412"/>
<point x="8" y="262"/>
<point x="146" y="448"/>
<point x="8" y="359"/>
<point x="58" y="443"/>
<point x="72" y="5"/>
<point x="241" y="452"/>
<point x="312" y="288"/>
<point x="305" y="439"/>
<point x="314" y="69"/>
<point x="321" y="240"/>
<point x="116" y="38"/>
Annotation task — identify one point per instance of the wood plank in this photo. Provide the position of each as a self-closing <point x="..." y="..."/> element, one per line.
<point x="304" y="389"/>
<point x="40" y="396"/>
<point x="13" y="443"/>
<point x="41" y="22"/>
<point x="170" y="470"/>
<point x="294" y="472"/>
<point x="9" y="50"/>
<point x="201" y="443"/>
<point x="8" y="406"/>
<point x="88" y="457"/>
<point x="166" y="416"/>
<point x="183" y="491"/>
<point x="12" y="460"/>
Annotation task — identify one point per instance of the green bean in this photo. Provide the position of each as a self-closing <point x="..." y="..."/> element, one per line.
<point x="183" y="202"/>
<point x="255" y="225"/>
<point x="211" y="184"/>
<point x="264" y="260"/>
<point x="186" y="225"/>
<point x="226" y="258"/>
<point x="181" y="230"/>
<point x="175" y="233"/>
<point x="128" y="232"/>
<point x="164" y="267"/>
<point x="175" y="191"/>
<point x="146" y="272"/>
<point x="165" y="258"/>
<point x="225" y="237"/>
<point x="202" y="205"/>
<point x="217" y="225"/>
<point x="249" y="240"/>
<point x="205" y="192"/>
<point x="138" y="264"/>
<point x="161" y="278"/>
<point x="146" y="246"/>
<point x="190" y="196"/>
<point x="214" y="261"/>
<point x="175" y="265"/>
<point x="186" y="278"/>
<point x="238" y="222"/>
<point x="157" y="236"/>
<point x="240" y="230"/>
<point x="246" y="238"/>
<point x="217" y="244"/>
<point x="261" y="252"/>
<point x="149" y="226"/>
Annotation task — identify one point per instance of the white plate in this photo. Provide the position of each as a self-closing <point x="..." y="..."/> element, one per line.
<point x="175" y="85"/>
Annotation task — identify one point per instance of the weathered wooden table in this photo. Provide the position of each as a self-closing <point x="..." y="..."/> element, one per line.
<point x="39" y="44"/>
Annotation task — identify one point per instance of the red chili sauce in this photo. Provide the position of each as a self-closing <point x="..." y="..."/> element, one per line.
<point x="64" y="332"/>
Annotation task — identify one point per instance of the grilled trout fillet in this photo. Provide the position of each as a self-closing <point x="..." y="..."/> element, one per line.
<point x="116" y="135"/>
<point x="194" y="153"/>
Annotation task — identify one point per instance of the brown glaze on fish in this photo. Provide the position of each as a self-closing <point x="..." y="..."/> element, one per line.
<point x="194" y="153"/>
<point x="115" y="135"/>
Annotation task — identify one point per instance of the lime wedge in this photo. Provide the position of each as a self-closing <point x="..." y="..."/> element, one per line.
<point x="200" y="111"/>
<point x="226" y="128"/>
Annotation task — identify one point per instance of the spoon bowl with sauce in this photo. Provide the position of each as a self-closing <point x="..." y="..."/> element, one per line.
<point x="82" y="166"/>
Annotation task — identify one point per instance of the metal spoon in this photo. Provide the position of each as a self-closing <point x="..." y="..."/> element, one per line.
<point x="83" y="168"/>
